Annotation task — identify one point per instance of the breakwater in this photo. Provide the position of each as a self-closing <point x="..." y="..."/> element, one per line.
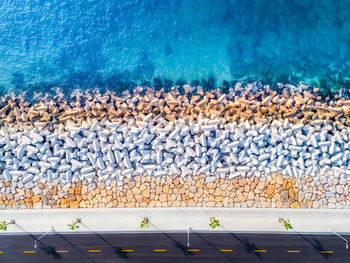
<point x="262" y="148"/>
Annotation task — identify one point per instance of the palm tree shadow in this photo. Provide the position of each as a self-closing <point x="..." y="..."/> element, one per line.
<point x="51" y="251"/>
<point x="206" y="241"/>
<point x="121" y="253"/>
<point x="316" y="244"/>
<point x="250" y="247"/>
<point x="176" y="243"/>
<point x="74" y="246"/>
<point x="117" y="250"/>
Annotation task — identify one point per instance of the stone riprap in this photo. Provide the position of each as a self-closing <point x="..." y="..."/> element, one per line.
<point x="275" y="191"/>
<point x="222" y="138"/>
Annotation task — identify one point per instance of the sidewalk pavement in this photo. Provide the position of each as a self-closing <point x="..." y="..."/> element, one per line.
<point x="177" y="219"/>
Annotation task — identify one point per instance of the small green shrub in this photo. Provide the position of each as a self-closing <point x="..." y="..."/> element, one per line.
<point x="214" y="223"/>
<point x="74" y="225"/>
<point x="144" y="223"/>
<point x="3" y="226"/>
<point x="287" y="225"/>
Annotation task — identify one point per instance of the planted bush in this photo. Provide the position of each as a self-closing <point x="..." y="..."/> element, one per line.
<point x="3" y="226"/>
<point x="144" y="223"/>
<point x="286" y="223"/>
<point x="74" y="225"/>
<point x="214" y="223"/>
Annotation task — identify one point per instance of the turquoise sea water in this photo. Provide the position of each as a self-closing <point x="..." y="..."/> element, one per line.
<point x="120" y="43"/>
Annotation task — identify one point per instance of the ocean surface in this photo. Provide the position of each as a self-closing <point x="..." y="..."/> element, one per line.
<point x="117" y="44"/>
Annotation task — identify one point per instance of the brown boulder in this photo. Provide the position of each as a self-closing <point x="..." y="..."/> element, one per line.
<point x="74" y="204"/>
<point x="270" y="189"/>
<point x="294" y="205"/>
<point x="163" y="198"/>
<point x="29" y="193"/>
<point x="279" y="179"/>
<point x="129" y="195"/>
<point x="217" y="192"/>
<point x="35" y="198"/>
<point x="146" y="193"/>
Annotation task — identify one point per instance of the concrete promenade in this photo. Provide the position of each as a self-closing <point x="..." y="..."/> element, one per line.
<point x="177" y="219"/>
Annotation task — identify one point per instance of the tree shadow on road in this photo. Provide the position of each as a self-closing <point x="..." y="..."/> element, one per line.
<point x="250" y="247"/>
<point x="208" y="243"/>
<point x="176" y="243"/>
<point x="75" y="247"/>
<point x="49" y="250"/>
<point x="117" y="250"/>
<point x="316" y="244"/>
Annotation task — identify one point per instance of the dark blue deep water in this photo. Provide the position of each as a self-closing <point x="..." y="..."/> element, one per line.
<point x="121" y="43"/>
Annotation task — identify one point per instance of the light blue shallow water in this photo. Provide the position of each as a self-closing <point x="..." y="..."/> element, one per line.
<point x="113" y="42"/>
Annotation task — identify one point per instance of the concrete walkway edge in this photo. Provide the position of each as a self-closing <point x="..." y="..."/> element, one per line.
<point x="177" y="219"/>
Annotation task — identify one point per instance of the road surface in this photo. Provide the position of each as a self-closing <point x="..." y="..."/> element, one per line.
<point x="172" y="247"/>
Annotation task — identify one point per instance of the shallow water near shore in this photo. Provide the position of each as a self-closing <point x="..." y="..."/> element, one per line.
<point x="120" y="44"/>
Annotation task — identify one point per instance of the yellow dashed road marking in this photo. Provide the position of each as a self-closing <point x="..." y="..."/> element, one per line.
<point x="193" y="250"/>
<point x="226" y="250"/>
<point x="29" y="252"/>
<point x="326" y="251"/>
<point x="260" y="250"/>
<point x="62" y="251"/>
<point x="127" y="250"/>
<point x="94" y="251"/>
<point x="293" y="251"/>
<point x="160" y="250"/>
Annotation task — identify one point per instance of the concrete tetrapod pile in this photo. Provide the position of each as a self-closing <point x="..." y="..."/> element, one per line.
<point x="54" y="153"/>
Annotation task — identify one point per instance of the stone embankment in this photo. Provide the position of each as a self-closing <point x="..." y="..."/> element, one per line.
<point x="276" y="191"/>
<point x="222" y="149"/>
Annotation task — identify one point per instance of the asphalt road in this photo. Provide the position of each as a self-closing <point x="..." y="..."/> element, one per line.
<point x="172" y="247"/>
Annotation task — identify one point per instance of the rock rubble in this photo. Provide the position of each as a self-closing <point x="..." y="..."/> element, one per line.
<point x="160" y="147"/>
<point x="242" y="134"/>
<point x="275" y="191"/>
